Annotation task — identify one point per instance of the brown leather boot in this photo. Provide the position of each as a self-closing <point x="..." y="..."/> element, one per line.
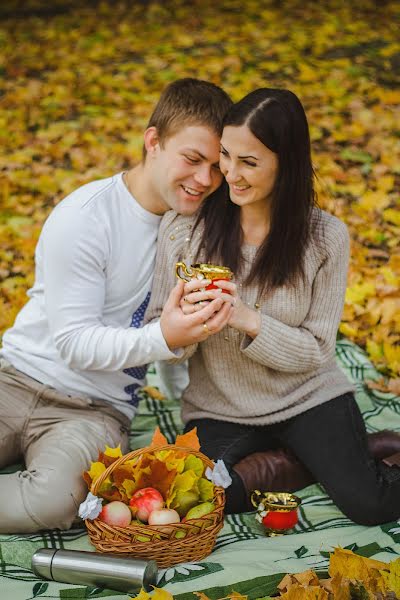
<point x="281" y="471"/>
<point x="383" y="444"/>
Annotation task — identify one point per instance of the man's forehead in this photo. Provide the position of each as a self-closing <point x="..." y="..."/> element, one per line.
<point x="193" y="132"/>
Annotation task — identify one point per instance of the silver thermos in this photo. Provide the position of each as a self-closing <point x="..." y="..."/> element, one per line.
<point x="111" y="571"/>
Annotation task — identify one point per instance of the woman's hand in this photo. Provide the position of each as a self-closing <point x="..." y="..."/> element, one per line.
<point x="184" y="328"/>
<point x="243" y="318"/>
<point x="195" y="297"/>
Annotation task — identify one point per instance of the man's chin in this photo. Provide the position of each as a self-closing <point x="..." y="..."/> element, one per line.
<point x="187" y="208"/>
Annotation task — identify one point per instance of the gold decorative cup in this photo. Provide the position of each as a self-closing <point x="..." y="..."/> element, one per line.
<point x="203" y="271"/>
<point x="277" y="511"/>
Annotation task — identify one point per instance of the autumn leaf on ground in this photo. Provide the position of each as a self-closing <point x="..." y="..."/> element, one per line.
<point x="153" y="392"/>
<point x="299" y="592"/>
<point x="201" y="596"/>
<point x="235" y="596"/>
<point x="354" y="567"/>
<point x="53" y="139"/>
<point x="156" y="594"/>
<point x="391" y="386"/>
<point x="339" y="587"/>
<point x="161" y="594"/>
<point x="391" y="579"/>
<point x="142" y="595"/>
<point x="394" y="386"/>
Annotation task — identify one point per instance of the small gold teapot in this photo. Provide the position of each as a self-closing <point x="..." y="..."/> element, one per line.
<point x="203" y="271"/>
<point x="277" y="511"/>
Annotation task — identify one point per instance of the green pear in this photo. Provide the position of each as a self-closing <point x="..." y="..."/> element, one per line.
<point x="200" y="510"/>
<point x="186" y="501"/>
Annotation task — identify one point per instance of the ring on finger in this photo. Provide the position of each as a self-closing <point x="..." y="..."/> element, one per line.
<point x="205" y="327"/>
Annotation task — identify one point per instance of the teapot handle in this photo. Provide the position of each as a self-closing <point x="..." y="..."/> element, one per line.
<point x="182" y="265"/>
<point x="255" y="498"/>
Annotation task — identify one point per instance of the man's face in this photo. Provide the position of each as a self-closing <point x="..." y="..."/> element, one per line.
<point x="185" y="169"/>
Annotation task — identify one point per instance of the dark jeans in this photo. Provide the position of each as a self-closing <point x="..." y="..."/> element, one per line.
<point x="330" y="440"/>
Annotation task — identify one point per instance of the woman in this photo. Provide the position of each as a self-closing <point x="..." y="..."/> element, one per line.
<point x="269" y="378"/>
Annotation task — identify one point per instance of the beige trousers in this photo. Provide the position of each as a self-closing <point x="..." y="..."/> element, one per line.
<point x="57" y="436"/>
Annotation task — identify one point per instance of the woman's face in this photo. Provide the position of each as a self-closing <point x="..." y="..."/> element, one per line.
<point x="249" y="167"/>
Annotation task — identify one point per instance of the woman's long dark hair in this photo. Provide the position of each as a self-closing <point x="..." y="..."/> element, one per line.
<point x="277" y="118"/>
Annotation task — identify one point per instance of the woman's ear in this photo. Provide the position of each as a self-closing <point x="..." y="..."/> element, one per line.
<point x="151" y="141"/>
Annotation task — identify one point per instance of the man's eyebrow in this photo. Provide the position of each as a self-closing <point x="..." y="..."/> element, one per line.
<point x="194" y="151"/>
<point x="200" y="155"/>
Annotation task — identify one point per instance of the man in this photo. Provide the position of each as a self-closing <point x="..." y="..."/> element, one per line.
<point x="73" y="362"/>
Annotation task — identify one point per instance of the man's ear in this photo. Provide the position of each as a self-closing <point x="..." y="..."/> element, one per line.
<point x="151" y="140"/>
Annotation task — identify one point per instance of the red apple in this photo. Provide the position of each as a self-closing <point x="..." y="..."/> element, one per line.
<point x="144" y="501"/>
<point x="116" y="514"/>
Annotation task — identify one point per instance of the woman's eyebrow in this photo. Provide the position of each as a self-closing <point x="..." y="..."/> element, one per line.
<point x="240" y="156"/>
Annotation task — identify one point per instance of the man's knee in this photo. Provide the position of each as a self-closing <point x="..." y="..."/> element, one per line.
<point x="49" y="498"/>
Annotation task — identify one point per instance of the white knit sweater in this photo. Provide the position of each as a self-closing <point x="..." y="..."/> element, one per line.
<point x="289" y="367"/>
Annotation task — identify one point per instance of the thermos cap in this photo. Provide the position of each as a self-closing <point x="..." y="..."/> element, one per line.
<point x="41" y="562"/>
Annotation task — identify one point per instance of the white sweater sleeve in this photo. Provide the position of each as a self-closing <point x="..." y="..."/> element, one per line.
<point x="74" y="249"/>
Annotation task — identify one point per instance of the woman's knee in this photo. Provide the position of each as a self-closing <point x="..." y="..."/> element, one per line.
<point x="368" y="509"/>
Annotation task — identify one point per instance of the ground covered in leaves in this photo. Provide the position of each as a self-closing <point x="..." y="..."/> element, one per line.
<point x="77" y="84"/>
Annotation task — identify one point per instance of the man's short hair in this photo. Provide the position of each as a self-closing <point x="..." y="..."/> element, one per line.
<point x="187" y="102"/>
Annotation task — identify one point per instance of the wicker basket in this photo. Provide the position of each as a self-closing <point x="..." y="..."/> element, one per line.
<point x="166" y="544"/>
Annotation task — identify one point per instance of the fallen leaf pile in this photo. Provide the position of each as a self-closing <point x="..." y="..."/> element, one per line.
<point x="79" y="80"/>
<point x="351" y="577"/>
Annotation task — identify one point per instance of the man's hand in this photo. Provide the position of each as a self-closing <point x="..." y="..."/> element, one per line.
<point x="180" y="329"/>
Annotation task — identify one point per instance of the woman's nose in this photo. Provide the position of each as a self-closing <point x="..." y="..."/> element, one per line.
<point x="231" y="174"/>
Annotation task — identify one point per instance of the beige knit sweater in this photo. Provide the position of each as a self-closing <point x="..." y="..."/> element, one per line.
<point x="289" y="367"/>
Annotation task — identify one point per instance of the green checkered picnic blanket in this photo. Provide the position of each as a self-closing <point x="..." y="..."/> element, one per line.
<point x="244" y="559"/>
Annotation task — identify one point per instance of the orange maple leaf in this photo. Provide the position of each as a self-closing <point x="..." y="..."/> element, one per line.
<point x="189" y="440"/>
<point x="106" y="460"/>
<point x="159" y="478"/>
<point x="158" y="439"/>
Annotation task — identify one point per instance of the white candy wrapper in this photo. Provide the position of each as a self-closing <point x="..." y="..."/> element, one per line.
<point x="91" y="507"/>
<point x="219" y="475"/>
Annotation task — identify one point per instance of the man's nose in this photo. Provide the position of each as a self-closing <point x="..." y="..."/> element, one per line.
<point x="203" y="176"/>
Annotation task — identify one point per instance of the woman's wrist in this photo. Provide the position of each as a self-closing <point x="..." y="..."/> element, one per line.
<point x="255" y="324"/>
<point x="250" y="324"/>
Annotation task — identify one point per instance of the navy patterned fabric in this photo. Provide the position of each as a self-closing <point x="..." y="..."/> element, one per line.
<point x="140" y="371"/>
